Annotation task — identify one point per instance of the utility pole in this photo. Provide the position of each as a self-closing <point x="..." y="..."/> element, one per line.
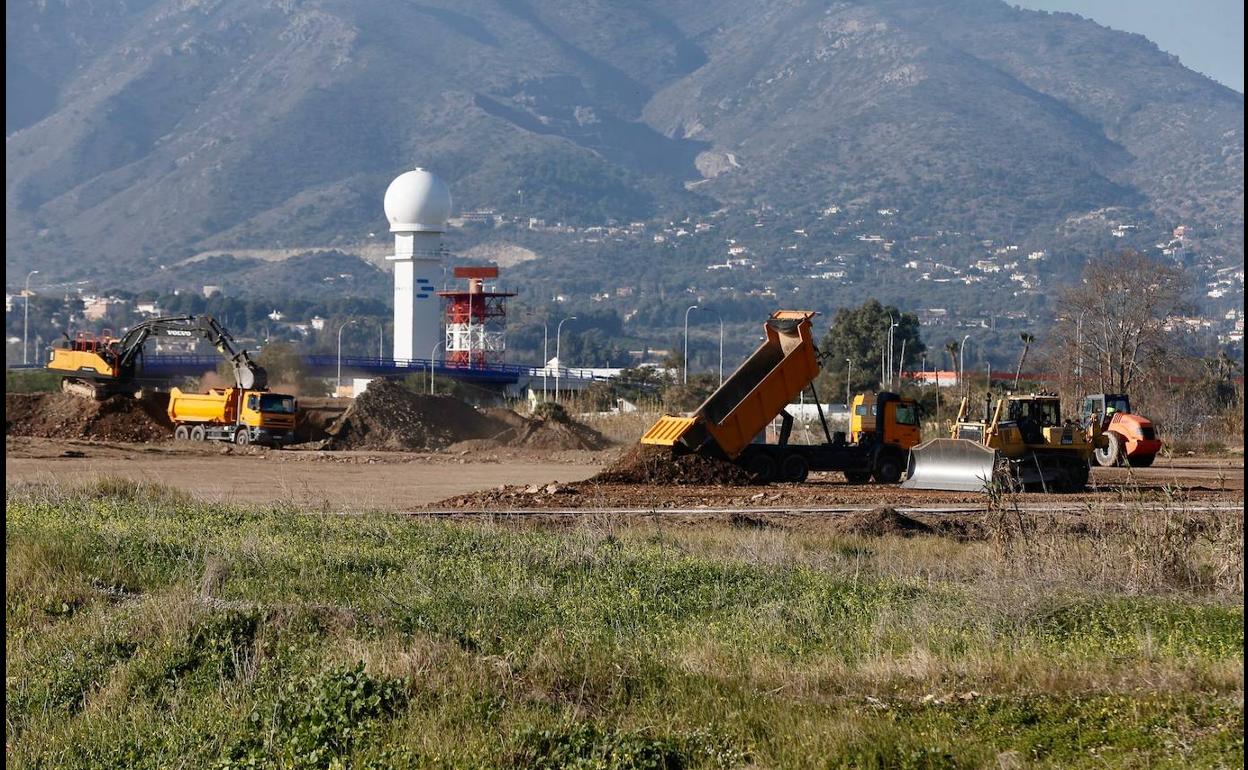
<point x="685" y="374"/>
<point x="558" y="357"/>
<point x="345" y="324"/>
<point x="849" y="375"/>
<point x="26" y="313"/>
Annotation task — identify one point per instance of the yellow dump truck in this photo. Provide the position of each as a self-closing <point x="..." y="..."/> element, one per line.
<point x="884" y="425"/>
<point x="233" y="414"/>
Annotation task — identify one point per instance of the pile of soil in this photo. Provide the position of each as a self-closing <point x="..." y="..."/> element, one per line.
<point x="61" y="415"/>
<point x="880" y="522"/>
<point x="553" y="430"/>
<point x="388" y="416"/>
<point x="646" y="464"/>
<point x="315" y="417"/>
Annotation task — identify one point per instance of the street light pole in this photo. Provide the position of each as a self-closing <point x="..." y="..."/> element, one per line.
<point x="721" y="349"/>
<point x="558" y="370"/>
<point x="962" y="366"/>
<point x="901" y="363"/>
<point x="26" y="313"/>
<point x="848" y="376"/>
<point x="345" y="324"/>
<point x="433" y="363"/>
<point x="721" y="342"/>
<point x="685" y="374"/>
<point x="545" y="356"/>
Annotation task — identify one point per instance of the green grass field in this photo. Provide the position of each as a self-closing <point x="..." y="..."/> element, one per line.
<point x="145" y="629"/>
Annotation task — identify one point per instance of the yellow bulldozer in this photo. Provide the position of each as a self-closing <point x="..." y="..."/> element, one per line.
<point x="1021" y="443"/>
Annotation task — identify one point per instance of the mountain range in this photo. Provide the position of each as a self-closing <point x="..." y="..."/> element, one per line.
<point x="144" y="132"/>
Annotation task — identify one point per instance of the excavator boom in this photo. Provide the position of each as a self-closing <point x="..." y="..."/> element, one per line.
<point x="110" y="365"/>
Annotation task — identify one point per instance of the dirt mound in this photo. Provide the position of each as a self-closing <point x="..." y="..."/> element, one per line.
<point x="389" y="416"/>
<point x="554" y="431"/>
<point x="645" y="464"/>
<point x="315" y="417"/>
<point x="60" y="415"/>
<point x="880" y="522"/>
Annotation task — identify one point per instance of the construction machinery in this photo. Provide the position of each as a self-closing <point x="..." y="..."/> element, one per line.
<point x="884" y="426"/>
<point x="1021" y="443"/>
<point x="1127" y="438"/>
<point x="102" y="366"/>
<point x="233" y="414"/>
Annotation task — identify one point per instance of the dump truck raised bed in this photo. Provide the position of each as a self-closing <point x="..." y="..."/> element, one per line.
<point x="728" y="422"/>
<point x="233" y="414"/>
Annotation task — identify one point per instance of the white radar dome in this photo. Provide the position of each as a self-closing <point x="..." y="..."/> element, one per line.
<point x="418" y="201"/>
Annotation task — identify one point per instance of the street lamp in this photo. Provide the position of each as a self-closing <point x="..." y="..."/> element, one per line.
<point x="345" y="324"/>
<point x="558" y="332"/>
<point x="849" y="375"/>
<point x="433" y="363"/>
<point x="901" y="362"/>
<point x="891" y="326"/>
<point x="685" y="374"/>
<point x="961" y="366"/>
<point x="545" y="356"/>
<point x="721" y="342"/>
<point x="26" y="313"/>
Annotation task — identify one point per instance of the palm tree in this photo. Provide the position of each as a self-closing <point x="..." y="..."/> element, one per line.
<point x="952" y="349"/>
<point x="1027" y="340"/>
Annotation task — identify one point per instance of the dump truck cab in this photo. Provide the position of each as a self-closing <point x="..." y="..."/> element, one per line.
<point x="886" y="417"/>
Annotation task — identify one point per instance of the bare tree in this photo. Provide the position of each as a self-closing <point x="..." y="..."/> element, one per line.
<point x="1114" y="320"/>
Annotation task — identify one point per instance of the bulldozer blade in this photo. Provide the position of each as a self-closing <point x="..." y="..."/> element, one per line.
<point x="951" y="463"/>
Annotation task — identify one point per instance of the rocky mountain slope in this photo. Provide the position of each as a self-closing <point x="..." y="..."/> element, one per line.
<point x="141" y="133"/>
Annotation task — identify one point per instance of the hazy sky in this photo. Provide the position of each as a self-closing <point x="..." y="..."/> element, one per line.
<point x="1206" y="35"/>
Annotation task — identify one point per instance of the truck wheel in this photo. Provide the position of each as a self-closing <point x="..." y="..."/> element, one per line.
<point x="762" y="468"/>
<point x="888" y="470"/>
<point x="180" y="433"/>
<point x="857" y="477"/>
<point x="1111" y="455"/>
<point x="198" y="433"/>
<point x="242" y="437"/>
<point x="1142" y="461"/>
<point x="794" y="468"/>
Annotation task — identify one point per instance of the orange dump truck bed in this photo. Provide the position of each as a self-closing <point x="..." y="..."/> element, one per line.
<point x="217" y="406"/>
<point x="756" y="392"/>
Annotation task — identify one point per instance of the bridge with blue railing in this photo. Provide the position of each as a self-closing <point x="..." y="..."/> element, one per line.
<point x="194" y="365"/>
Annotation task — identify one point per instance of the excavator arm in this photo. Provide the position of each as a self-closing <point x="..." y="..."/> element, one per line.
<point x="248" y="375"/>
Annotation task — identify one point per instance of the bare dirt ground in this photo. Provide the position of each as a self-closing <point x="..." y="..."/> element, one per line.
<point x="510" y="481"/>
<point x="347" y="480"/>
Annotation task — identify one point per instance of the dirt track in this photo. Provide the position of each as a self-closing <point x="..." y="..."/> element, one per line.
<point x="402" y="481"/>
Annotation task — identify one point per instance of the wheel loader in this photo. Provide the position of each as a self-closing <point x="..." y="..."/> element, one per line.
<point x="1022" y="443"/>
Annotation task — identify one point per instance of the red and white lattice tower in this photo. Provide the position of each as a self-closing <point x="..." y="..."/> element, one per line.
<point x="476" y="320"/>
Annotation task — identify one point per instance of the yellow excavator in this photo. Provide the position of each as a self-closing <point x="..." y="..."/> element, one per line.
<point x="1022" y="443"/>
<point x="102" y="366"/>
